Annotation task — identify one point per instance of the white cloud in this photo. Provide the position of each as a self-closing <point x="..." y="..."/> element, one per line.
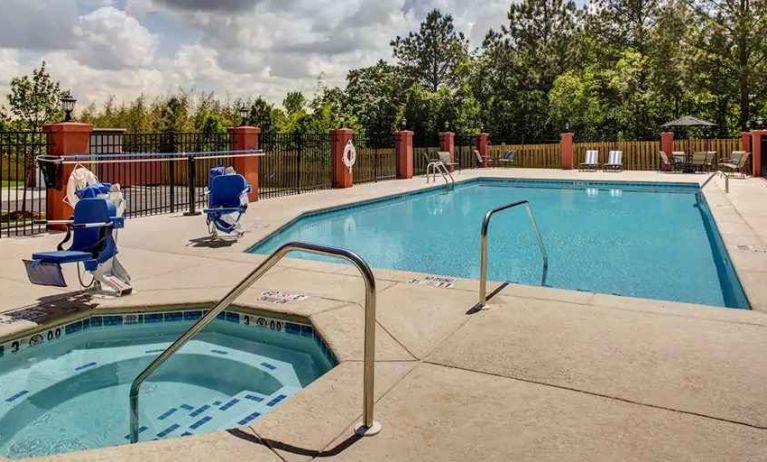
<point x="9" y="68"/>
<point x="37" y="24"/>
<point x="110" y="39"/>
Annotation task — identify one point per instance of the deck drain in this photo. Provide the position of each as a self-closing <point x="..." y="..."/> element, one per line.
<point x="433" y="281"/>
<point x="275" y="296"/>
<point x="751" y="248"/>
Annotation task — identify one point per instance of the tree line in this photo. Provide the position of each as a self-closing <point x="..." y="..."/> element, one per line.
<point x="613" y="69"/>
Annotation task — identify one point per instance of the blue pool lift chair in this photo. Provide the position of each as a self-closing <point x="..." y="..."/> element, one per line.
<point x="92" y="231"/>
<point x="227" y="202"/>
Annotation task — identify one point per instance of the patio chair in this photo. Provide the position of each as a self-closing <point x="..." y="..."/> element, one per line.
<point x="227" y="202"/>
<point x="679" y="159"/>
<point x="481" y="160"/>
<point x="733" y="159"/>
<point x="702" y="160"/>
<point x="508" y="158"/>
<point x="732" y="169"/>
<point x="614" y="161"/>
<point x="591" y="162"/>
<point x="672" y="166"/>
<point x="444" y="156"/>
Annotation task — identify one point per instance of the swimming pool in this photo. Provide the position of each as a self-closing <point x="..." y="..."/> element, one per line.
<point x="651" y="240"/>
<point x="66" y="388"/>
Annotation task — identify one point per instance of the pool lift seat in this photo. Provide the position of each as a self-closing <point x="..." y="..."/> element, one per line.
<point x="92" y="231"/>
<point x="227" y="202"/>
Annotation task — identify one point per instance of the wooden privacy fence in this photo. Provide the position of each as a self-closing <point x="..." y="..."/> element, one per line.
<point x="528" y="155"/>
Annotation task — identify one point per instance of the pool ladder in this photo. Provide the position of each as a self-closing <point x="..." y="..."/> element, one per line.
<point x="483" y="247"/>
<point x="368" y="426"/>
<point x="438" y="166"/>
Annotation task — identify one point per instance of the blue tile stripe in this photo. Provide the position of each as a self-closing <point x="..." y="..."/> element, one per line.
<point x="248" y="418"/>
<point x="16" y="396"/>
<point x="186" y="407"/>
<point x="200" y="422"/>
<point x="140" y="430"/>
<point x="229" y="404"/>
<point x="199" y="410"/>
<point x="167" y="413"/>
<point x="269" y="366"/>
<point x="276" y="400"/>
<point x="85" y="366"/>
<point x="255" y="398"/>
<point x="219" y="352"/>
<point x="167" y="431"/>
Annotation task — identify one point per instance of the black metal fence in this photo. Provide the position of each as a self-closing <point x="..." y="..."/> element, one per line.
<point x="22" y="190"/>
<point x="376" y="158"/>
<point x="153" y="181"/>
<point x="294" y="163"/>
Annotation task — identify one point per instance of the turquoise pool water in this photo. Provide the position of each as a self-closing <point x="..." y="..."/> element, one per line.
<point x="66" y="389"/>
<point x="635" y="239"/>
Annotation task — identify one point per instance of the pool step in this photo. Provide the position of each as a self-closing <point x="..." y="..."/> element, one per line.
<point x="186" y="419"/>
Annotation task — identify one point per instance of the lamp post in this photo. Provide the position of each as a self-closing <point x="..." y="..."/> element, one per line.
<point x="404" y="123"/>
<point x="243" y="109"/>
<point x="68" y="105"/>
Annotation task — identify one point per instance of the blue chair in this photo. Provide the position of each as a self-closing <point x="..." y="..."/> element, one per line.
<point x="93" y="245"/>
<point x="227" y="202"/>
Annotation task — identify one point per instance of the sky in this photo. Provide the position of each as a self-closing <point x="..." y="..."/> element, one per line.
<point x="237" y="48"/>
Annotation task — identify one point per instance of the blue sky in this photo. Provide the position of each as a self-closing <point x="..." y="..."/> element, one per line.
<point x="238" y="48"/>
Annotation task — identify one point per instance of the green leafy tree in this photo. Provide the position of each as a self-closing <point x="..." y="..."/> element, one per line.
<point x="434" y="56"/>
<point x="375" y="95"/>
<point x="294" y="102"/>
<point x="35" y="99"/>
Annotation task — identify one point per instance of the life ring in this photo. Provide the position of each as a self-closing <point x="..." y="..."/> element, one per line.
<point x="350" y="155"/>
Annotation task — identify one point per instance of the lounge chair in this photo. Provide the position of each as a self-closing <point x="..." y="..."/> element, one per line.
<point x="481" y="161"/>
<point x="731" y="169"/>
<point x="591" y="162"/>
<point x="614" y="161"/>
<point x="508" y="158"/>
<point x="444" y="156"/>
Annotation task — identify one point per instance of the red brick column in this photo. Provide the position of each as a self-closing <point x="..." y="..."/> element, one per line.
<point x="403" y="146"/>
<point x="342" y="175"/>
<point x="667" y="146"/>
<point x="483" y="146"/>
<point x="756" y="151"/>
<point x="745" y="142"/>
<point x="567" y="148"/>
<point x="66" y="139"/>
<point x="447" y="144"/>
<point x="240" y="139"/>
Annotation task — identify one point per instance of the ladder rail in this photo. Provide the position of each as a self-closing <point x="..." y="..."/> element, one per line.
<point x="439" y="166"/>
<point x="483" y="246"/>
<point x="368" y="426"/>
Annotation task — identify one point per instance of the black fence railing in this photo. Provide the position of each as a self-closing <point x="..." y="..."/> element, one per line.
<point x="294" y="163"/>
<point x="155" y="182"/>
<point x="376" y="159"/>
<point x="22" y="189"/>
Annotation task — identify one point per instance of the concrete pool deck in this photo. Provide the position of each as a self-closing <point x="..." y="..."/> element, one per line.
<point x="540" y="374"/>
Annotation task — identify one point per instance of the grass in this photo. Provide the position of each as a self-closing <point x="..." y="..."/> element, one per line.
<point x="9" y="183"/>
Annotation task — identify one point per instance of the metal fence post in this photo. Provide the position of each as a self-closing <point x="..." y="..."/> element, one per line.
<point x="191" y="185"/>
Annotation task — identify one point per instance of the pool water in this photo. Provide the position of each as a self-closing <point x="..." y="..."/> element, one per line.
<point x="646" y="240"/>
<point x="67" y="389"/>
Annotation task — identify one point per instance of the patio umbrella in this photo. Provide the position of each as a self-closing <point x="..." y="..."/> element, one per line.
<point x="687" y="122"/>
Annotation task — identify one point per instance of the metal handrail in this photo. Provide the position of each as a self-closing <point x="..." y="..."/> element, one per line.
<point x="439" y="166"/>
<point x="711" y="177"/>
<point x="367" y="426"/>
<point x="483" y="247"/>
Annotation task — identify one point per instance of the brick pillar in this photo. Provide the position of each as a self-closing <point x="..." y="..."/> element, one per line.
<point x="342" y="176"/>
<point x="745" y="142"/>
<point x="447" y="144"/>
<point x="483" y="146"/>
<point x="567" y="148"/>
<point x="403" y="146"/>
<point x="240" y="139"/>
<point x="756" y="151"/>
<point x="66" y="139"/>
<point x="667" y="146"/>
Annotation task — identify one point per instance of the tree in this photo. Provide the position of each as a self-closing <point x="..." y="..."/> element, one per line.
<point x="294" y="102"/>
<point x="375" y="95"/>
<point x="35" y="99"/>
<point x="260" y="115"/>
<point x="434" y="56"/>
<point x="736" y="40"/>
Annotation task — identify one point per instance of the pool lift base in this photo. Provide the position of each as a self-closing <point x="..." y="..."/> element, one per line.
<point x="362" y="430"/>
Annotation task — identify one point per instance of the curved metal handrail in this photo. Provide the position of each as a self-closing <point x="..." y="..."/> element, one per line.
<point x="483" y="247"/>
<point x="368" y="426"/>
<point x="439" y="166"/>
